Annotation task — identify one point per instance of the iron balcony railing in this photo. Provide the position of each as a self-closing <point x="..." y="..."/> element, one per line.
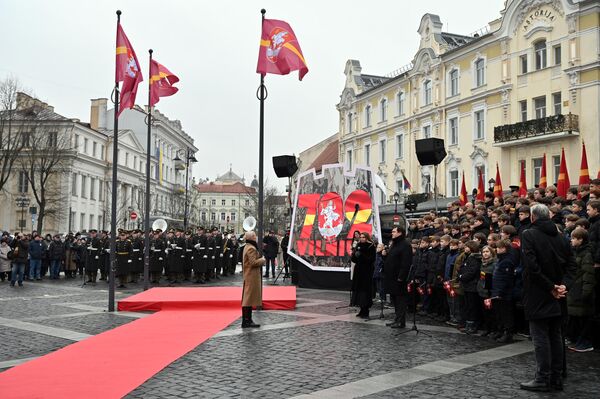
<point x="536" y="128"/>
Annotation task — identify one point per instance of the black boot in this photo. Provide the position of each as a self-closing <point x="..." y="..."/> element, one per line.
<point x="247" y="318"/>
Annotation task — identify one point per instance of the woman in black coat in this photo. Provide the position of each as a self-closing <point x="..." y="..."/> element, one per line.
<point x="362" y="282"/>
<point x="468" y="277"/>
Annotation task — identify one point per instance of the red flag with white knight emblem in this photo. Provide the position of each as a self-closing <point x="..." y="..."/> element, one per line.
<point x="161" y="82"/>
<point x="279" y="51"/>
<point x="127" y="70"/>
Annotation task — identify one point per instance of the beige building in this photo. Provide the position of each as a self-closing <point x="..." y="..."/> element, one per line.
<point x="525" y="85"/>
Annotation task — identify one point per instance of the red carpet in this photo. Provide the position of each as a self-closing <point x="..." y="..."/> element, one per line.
<point x="112" y="364"/>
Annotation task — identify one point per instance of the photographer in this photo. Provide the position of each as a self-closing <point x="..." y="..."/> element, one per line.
<point x="19" y="258"/>
<point x="362" y="282"/>
<point x="396" y="267"/>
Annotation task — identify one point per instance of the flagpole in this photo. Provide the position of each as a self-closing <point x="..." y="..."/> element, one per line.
<point x="262" y="95"/>
<point x="113" y="212"/>
<point x="147" y="199"/>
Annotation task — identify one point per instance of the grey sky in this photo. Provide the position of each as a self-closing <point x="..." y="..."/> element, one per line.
<point x="64" y="52"/>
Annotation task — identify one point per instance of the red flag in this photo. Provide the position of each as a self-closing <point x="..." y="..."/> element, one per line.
<point x="563" y="177"/>
<point x="498" y="184"/>
<point x="584" y="175"/>
<point x="543" y="179"/>
<point x="523" y="182"/>
<point x="480" y="186"/>
<point x="279" y="51"/>
<point x="463" y="192"/>
<point x="161" y="82"/>
<point x="127" y="70"/>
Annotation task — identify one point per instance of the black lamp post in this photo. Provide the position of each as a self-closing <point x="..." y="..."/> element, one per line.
<point x="189" y="157"/>
<point x="396" y="218"/>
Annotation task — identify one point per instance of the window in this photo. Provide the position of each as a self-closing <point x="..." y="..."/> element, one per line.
<point x="368" y="154"/>
<point x="94" y="149"/>
<point x="82" y="221"/>
<point x="100" y="225"/>
<point x="100" y="193"/>
<point x="247" y="202"/>
<point x="557" y="103"/>
<point x="74" y="185"/>
<point x="479" y="169"/>
<point x="454" y="183"/>
<point x="349" y="160"/>
<point x="523" y="60"/>
<point x="85" y="145"/>
<point x="540" y="54"/>
<point x="53" y="139"/>
<point x="479" y="125"/>
<point x="25" y="139"/>
<point x="383" y="109"/>
<point x="400" y="146"/>
<point x="91" y="224"/>
<point x="556" y="50"/>
<point x="222" y="202"/>
<point x="399" y="186"/>
<point x="537" y="170"/>
<point x="223" y="216"/>
<point x="23" y="182"/>
<point x="213" y="202"/>
<point x="102" y="152"/>
<point x="454" y="82"/>
<point x="204" y="201"/>
<point x="368" y="116"/>
<point x="126" y="159"/>
<point x="426" y="132"/>
<point x="135" y="162"/>
<point x="76" y="142"/>
<point x="381" y="197"/>
<point x="213" y="216"/>
<point x="382" y="144"/>
<point x="92" y="188"/>
<point x="203" y="216"/>
<point x="427" y="92"/>
<point x="232" y="217"/>
<point x="523" y="108"/>
<point x="427" y="183"/>
<point x="83" y="186"/>
<point x="556" y="166"/>
<point x="400" y="101"/>
<point x="72" y="217"/>
<point x="350" y="122"/>
<point x="453" y="131"/>
<point x="232" y="202"/>
<point x="539" y="104"/>
<point x="479" y="72"/>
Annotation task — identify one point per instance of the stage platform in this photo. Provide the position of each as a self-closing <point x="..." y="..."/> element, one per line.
<point x="181" y="298"/>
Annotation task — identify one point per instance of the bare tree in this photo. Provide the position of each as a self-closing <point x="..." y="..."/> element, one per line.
<point x="10" y="146"/>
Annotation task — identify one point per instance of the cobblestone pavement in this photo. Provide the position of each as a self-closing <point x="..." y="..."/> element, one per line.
<point x="320" y="350"/>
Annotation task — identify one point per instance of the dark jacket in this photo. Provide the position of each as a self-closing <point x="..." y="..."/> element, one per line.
<point x="485" y="283"/>
<point x="523" y="225"/>
<point x="56" y="250"/>
<point x="581" y="298"/>
<point x="503" y="279"/>
<point x="440" y="267"/>
<point x="449" y="266"/>
<point x="378" y="272"/>
<point x="432" y="265"/>
<point x="421" y="264"/>
<point x="364" y="264"/>
<point x="594" y="238"/>
<point x="36" y="250"/>
<point x="396" y="266"/>
<point x="271" y="247"/>
<point x="547" y="261"/>
<point x="470" y="272"/>
<point x="20" y="251"/>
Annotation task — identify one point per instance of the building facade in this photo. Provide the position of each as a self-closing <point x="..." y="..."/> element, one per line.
<point x="526" y="85"/>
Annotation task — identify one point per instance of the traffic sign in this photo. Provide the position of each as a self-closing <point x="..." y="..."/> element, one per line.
<point x="133" y="215"/>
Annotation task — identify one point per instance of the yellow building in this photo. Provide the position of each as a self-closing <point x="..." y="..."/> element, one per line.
<point x="527" y="84"/>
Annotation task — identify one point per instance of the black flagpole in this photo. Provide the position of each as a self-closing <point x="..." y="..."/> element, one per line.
<point x="113" y="212"/>
<point x="262" y="95"/>
<point x="147" y="199"/>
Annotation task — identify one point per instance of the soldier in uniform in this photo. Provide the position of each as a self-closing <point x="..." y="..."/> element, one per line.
<point x="199" y="253"/>
<point x="218" y="252"/>
<point x="137" y="259"/>
<point x="211" y="255"/>
<point x="93" y="254"/>
<point x="227" y="254"/>
<point x="189" y="256"/>
<point x="124" y="251"/>
<point x="157" y="256"/>
<point x="104" y="261"/>
<point x="177" y="255"/>
<point x="170" y="241"/>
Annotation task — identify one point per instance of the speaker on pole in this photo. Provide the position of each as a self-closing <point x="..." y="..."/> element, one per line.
<point x="430" y="151"/>
<point x="285" y="165"/>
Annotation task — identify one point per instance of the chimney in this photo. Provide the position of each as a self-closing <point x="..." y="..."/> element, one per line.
<point x="98" y="113"/>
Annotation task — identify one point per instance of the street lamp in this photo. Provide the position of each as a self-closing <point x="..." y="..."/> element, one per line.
<point x="396" y="218"/>
<point x="189" y="157"/>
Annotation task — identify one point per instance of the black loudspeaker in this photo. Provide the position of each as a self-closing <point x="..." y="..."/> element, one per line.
<point x="430" y="151"/>
<point x="285" y="165"/>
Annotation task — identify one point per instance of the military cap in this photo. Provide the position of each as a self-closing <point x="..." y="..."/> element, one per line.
<point x="171" y="230"/>
<point x="158" y="231"/>
<point x="514" y="188"/>
<point x="91" y="231"/>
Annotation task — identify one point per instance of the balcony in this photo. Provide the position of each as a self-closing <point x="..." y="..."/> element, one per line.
<point x="178" y="189"/>
<point x="543" y="129"/>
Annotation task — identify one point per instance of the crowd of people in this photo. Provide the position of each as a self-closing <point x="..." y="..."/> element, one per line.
<point x="527" y="265"/>
<point x="175" y="255"/>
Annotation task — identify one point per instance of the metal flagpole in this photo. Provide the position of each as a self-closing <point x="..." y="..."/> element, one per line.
<point x="113" y="211"/>
<point x="262" y="95"/>
<point x="147" y="199"/>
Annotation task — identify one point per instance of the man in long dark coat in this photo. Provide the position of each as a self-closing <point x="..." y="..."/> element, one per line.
<point x="396" y="267"/>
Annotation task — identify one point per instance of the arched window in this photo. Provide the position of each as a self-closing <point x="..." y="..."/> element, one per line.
<point x="453" y="82"/>
<point x="383" y="109"/>
<point x="540" y="54"/>
<point x="479" y="72"/>
<point x="368" y="116"/>
<point x="427" y="92"/>
<point x="349" y="122"/>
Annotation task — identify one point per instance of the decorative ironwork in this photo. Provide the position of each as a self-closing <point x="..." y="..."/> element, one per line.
<point x="537" y="127"/>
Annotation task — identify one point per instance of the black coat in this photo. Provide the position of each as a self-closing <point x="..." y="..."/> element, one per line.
<point x="503" y="280"/>
<point x="594" y="238"/>
<point x="547" y="261"/>
<point x="364" y="259"/>
<point x="56" y="250"/>
<point x="396" y="266"/>
<point x="271" y="247"/>
<point x="470" y="272"/>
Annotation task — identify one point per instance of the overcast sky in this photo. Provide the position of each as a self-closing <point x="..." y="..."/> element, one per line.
<point x="64" y="52"/>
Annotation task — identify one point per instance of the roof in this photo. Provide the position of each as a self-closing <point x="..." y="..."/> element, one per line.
<point x="369" y="81"/>
<point x="454" y="40"/>
<point x="235" y="188"/>
<point x="229" y="177"/>
<point x="329" y="155"/>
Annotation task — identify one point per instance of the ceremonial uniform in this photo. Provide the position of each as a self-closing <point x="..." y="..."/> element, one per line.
<point x="199" y="262"/>
<point x="218" y="253"/>
<point x="93" y="259"/>
<point x="157" y="258"/>
<point x="124" y="250"/>
<point x="189" y="257"/>
<point x="104" y="261"/>
<point x="210" y="252"/>
<point x="177" y="254"/>
<point x="137" y="258"/>
<point x="228" y="255"/>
